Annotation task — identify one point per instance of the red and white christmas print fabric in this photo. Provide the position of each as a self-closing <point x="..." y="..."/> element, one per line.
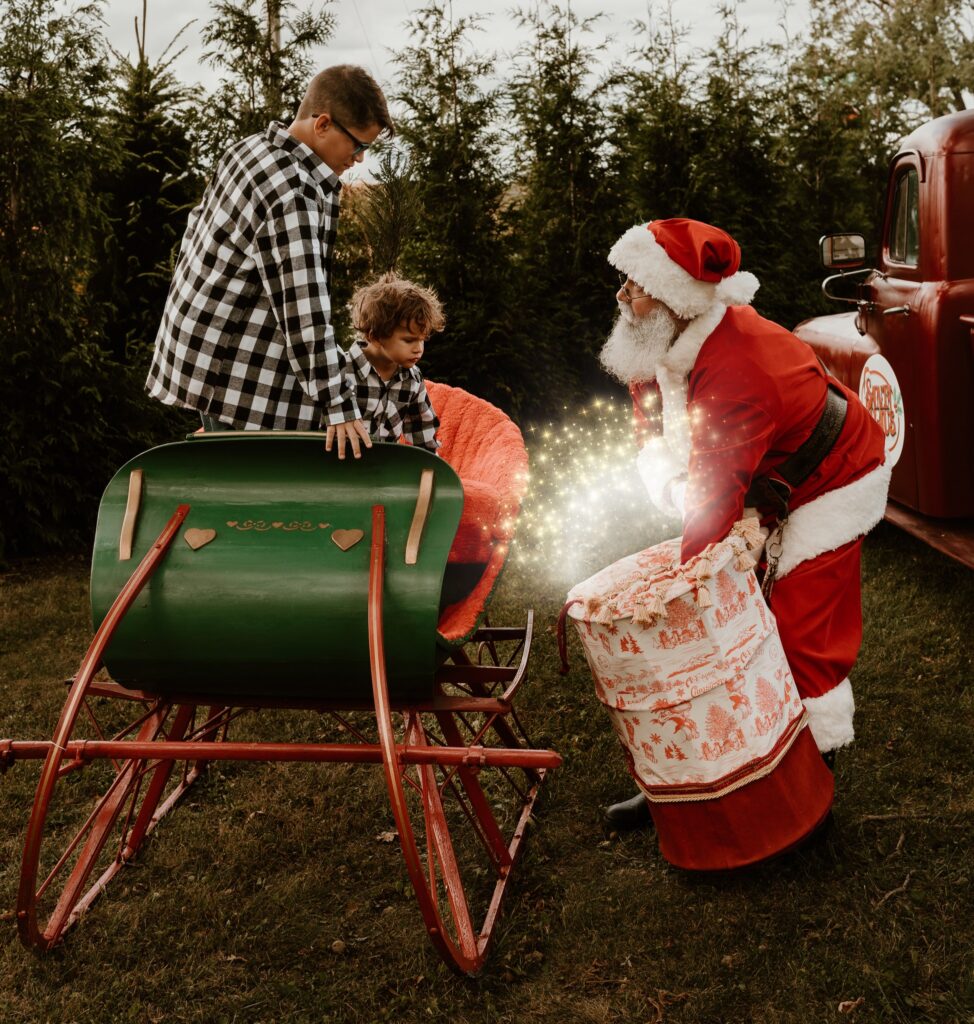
<point x="687" y="658"/>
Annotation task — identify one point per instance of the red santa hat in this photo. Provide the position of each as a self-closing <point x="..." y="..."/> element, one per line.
<point x="686" y="264"/>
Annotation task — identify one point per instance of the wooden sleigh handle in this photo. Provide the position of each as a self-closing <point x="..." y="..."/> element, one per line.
<point x="131" y="517"/>
<point x="421" y="513"/>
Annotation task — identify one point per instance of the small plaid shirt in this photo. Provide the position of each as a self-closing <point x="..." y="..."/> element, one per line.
<point x="246" y="334"/>
<point x="392" y="408"/>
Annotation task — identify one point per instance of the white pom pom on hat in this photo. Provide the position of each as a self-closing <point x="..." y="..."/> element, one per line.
<point x="686" y="264"/>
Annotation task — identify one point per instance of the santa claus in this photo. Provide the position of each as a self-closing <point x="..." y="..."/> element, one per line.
<point x="733" y="411"/>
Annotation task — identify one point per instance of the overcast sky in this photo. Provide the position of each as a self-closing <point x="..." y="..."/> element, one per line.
<point x="368" y="30"/>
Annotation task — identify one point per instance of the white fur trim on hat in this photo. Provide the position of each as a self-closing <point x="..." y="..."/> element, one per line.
<point x="834" y="519"/>
<point x="738" y="289"/>
<point x="830" y="717"/>
<point x="638" y="254"/>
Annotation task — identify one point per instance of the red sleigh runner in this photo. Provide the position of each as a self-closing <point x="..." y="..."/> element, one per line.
<point x="235" y="573"/>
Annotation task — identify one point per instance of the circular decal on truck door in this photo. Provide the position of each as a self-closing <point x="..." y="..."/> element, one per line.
<point x="880" y="393"/>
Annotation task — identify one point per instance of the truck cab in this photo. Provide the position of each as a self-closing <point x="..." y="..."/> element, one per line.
<point x="908" y="346"/>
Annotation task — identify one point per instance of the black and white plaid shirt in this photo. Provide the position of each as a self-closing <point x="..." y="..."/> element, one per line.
<point x="246" y="335"/>
<point x="392" y="408"/>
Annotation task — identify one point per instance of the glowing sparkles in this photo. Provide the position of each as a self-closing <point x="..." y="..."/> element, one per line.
<point x="586" y="505"/>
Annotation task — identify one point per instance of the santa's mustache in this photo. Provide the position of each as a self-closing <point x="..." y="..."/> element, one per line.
<point x="637" y="343"/>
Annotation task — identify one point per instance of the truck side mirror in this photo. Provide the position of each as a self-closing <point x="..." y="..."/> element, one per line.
<point x="842" y="252"/>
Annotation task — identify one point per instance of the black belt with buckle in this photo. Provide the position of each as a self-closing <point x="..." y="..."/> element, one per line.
<point x="769" y="494"/>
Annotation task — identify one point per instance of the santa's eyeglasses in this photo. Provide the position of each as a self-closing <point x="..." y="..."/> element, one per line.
<point x="628" y="290"/>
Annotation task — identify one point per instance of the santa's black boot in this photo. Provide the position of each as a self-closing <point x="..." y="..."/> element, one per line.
<point x="632" y="813"/>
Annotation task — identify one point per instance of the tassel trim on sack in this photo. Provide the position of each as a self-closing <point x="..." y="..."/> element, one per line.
<point x="743" y="544"/>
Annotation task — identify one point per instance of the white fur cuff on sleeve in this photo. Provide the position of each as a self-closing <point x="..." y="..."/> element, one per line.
<point x="830" y="717"/>
<point x="658" y="469"/>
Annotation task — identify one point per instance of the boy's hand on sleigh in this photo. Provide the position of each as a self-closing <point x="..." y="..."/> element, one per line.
<point x="354" y="432"/>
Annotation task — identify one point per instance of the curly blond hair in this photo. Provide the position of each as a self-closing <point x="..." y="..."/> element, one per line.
<point x="379" y="308"/>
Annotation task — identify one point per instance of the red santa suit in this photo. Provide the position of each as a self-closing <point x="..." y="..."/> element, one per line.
<point x="734" y="396"/>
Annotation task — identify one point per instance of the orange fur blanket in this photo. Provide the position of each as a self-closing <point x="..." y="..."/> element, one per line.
<point x="487" y="451"/>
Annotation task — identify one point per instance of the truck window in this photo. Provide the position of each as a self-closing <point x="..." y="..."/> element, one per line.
<point x="904" y="229"/>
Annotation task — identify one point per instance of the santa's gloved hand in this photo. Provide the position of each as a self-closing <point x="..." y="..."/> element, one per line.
<point x="677" y="491"/>
<point x="662" y="476"/>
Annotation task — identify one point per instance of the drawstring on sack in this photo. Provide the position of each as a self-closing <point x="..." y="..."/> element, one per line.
<point x="562" y="638"/>
<point x="772" y="553"/>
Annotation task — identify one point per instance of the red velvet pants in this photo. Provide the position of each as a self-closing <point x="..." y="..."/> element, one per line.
<point x="819" y="614"/>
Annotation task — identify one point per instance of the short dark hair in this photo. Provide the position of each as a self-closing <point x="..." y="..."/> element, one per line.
<point x="350" y="94"/>
<point x="379" y="308"/>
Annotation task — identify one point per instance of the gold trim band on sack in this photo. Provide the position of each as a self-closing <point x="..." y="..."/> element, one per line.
<point x="701" y="792"/>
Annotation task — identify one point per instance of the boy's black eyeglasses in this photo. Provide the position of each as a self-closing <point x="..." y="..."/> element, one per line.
<point x="360" y="146"/>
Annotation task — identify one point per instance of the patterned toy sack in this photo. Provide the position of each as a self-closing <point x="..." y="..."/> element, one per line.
<point x="687" y="660"/>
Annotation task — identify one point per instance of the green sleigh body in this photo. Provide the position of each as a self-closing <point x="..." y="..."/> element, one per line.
<point x="272" y="603"/>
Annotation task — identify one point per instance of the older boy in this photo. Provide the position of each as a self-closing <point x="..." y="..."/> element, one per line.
<point x="395" y="317"/>
<point x="246" y="335"/>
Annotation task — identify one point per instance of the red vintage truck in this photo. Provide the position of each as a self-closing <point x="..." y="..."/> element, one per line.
<point x="908" y="345"/>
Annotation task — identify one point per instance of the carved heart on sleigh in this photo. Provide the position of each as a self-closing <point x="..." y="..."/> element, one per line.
<point x="346" y="539"/>
<point x="197" y="539"/>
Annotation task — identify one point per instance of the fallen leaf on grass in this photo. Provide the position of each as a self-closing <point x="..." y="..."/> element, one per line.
<point x="386" y="837"/>
<point x="848" y="1005"/>
<point x="232" y="958"/>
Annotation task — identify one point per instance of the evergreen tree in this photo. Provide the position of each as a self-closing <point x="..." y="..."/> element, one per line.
<point x="766" y="142"/>
<point x="562" y="216"/>
<point x="149" y="195"/>
<point x="379" y="220"/>
<point x="53" y="80"/>
<point x="738" y="184"/>
<point x="833" y="143"/>
<point x="914" y="57"/>
<point x="389" y="212"/>
<point x="459" y="247"/>
<point x="655" y="126"/>
<point x="64" y="401"/>
<point x="263" y="50"/>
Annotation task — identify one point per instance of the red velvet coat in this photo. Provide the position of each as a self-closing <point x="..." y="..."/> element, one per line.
<point x="754" y="393"/>
<point x="739" y="395"/>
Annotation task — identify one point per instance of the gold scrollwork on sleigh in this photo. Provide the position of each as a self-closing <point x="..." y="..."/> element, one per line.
<point x="263" y="525"/>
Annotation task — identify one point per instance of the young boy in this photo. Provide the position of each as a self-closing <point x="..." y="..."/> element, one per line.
<point x="394" y="317"/>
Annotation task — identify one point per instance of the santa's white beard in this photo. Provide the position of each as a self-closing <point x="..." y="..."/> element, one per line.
<point x="637" y="343"/>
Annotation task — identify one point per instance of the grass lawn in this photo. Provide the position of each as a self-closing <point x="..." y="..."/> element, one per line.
<point x="234" y="908"/>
